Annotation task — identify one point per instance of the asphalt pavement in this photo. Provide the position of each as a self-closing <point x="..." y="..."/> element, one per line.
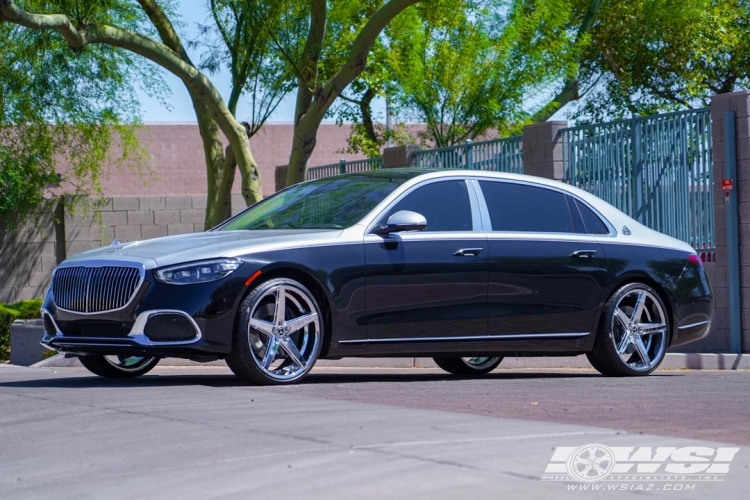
<point x="199" y="433"/>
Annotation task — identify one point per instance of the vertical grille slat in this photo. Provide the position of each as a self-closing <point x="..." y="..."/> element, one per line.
<point x="94" y="289"/>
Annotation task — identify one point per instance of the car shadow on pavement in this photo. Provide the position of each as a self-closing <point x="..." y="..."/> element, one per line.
<point x="229" y="380"/>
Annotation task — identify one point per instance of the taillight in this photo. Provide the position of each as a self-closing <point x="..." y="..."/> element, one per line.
<point x="695" y="259"/>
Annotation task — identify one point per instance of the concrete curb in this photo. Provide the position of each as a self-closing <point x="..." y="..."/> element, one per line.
<point x="673" y="361"/>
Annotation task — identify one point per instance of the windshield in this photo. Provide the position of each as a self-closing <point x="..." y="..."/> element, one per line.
<point x="331" y="203"/>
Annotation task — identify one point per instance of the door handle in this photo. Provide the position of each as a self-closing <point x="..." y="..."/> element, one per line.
<point x="468" y="252"/>
<point x="584" y="254"/>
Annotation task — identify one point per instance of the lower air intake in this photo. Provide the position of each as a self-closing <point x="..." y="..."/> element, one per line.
<point x="169" y="327"/>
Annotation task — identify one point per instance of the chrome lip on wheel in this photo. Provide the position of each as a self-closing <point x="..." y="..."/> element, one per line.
<point x="128" y="363"/>
<point x="284" y="332"/>
<point x="639" y="330"/>
<point x="479" y="362"/>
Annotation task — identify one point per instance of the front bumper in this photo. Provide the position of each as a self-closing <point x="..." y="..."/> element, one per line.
<point x="206" y="308"/>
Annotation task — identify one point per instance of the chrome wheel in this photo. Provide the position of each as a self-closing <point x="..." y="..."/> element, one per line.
<point x="128" y="363"/>
<point x="280" y="333"/>
<point x="639" y="330"/>
<point x="119" y="366"/>
<point x="481" y="362"/>
<point x="468" y="366"/>
<point x="633" y="332"/>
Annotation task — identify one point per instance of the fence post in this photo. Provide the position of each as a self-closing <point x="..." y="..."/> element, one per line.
<point x="469" y="155"/>
<point x="399" y="156"/>
<point x="727" y="312"/>
<point x="543" y="149"/>
<point x="637" y="171"/>
<point x="342" y="166"/>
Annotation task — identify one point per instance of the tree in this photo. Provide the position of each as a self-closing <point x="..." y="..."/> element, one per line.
<point x="316" y="92"/>
<point x="650" y="56"/>
<point x="87" y="23"/>
<point x="53" y="106"/>
<point x="465" y="68"/>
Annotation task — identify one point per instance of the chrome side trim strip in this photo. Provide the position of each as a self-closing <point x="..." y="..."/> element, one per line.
<point x="691" y="325"/>
<point x="485" y="337"/>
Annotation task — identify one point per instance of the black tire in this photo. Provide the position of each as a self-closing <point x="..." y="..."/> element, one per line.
<point x="612" y="333"/>
<point x="250" y="349"/>
<point x="468" y="367"/>
<point x="123" y="367"/>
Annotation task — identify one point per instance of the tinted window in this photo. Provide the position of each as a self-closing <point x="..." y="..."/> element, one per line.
<point x="331" y="203"/>
<point x="444" y="204"/>
<point x="523" y="208"/>
<point x="593" y="223"/>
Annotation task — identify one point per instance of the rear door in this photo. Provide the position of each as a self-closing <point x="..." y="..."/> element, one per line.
<point x="547" y="274"/>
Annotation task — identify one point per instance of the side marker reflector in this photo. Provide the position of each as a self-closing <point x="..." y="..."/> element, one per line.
<point x="253" y="276"/>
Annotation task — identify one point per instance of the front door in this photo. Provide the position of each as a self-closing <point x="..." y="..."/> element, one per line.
<point x="430" y="284"/>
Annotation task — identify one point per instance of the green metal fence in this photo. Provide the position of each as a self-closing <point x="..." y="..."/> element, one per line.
<point x="343" y="167"/>
<point x="657" y="169"/>
<point x="499" y="155"/>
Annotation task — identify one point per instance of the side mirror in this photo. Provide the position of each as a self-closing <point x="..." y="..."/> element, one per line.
<point x="403" y="220"/>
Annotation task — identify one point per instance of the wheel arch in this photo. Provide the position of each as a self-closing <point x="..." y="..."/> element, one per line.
<point x="661" y="291"/>
<point x="306" y="278"/>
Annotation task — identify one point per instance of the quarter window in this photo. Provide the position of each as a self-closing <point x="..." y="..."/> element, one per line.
<point x="523" y="208"/>
<point x="444" y="204"/>
<point x="593" y="223"/>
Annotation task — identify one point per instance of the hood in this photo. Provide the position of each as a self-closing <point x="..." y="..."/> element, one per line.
<point x="170" y="250"/>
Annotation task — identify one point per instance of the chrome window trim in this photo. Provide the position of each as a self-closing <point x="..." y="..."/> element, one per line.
<point x="473" y="338"/>
<point x="100" y="263"/>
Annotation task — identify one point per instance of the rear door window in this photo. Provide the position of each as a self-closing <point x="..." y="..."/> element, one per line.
<point x="523" y="208"/>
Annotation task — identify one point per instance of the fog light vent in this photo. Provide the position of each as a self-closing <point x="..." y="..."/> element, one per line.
<point x="166" y="327"/>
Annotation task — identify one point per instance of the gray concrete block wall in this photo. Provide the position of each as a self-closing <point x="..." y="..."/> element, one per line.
<point x="28" y="255"/>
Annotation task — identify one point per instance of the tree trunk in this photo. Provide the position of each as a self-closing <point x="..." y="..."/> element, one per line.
<point x="303" y="144"/>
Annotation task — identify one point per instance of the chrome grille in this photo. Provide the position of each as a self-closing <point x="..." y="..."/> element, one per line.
<point x="94" y="289"/>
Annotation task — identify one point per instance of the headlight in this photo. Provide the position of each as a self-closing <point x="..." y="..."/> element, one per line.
<point x="198" y="272"/>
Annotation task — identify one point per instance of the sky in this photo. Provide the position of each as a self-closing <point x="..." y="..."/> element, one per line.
<point x="193" y="13"/>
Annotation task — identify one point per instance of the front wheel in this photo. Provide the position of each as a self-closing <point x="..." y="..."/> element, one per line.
<point x="633" y="333"/>
<point x="467" y="367"/>
<point x="118" y="366"/>
<point x="278" y="335"/>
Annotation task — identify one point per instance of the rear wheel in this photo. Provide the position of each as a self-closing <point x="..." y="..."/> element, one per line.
<point x="472" y="366"/>
<point x="633" y="333"/>
<point x="118" y="366"/>
<point x="278" y="335"/>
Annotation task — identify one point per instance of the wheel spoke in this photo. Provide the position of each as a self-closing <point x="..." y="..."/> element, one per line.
<point x="280" y="311"/>
<point x="642" y="352"/>
<point x="624" y="343"/>
<point x="271" y="348"/>
<point x="639" y="304"/>
<point x="301" y="322"/>
<point x="261" y="325"/>
<point x="652" y="328"/>
<point x="620" y="315"/>
<point x="293" y="352"/>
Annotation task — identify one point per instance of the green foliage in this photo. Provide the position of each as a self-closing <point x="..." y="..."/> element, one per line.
<point x="650" y="56"/>
<point x="58" y="107"/>
<point x="465" y="68"/>
<point x="27" y="309"/>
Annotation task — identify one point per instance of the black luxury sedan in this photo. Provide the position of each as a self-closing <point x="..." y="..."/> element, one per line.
<point x="462" y="266"/>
